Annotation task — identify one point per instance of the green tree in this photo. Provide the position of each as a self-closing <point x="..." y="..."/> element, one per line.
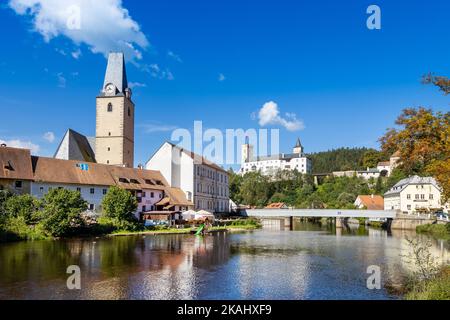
<point x="4" y="196"/>
<point x="371" y="158"/>
<point x="235" y="181"/>
<point x="24" y="206"/>
<point x="61" y="211"/>
<point x="119" y="205"/>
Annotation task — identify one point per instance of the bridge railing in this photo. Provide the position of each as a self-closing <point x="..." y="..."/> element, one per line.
<point x="321" y="213"/>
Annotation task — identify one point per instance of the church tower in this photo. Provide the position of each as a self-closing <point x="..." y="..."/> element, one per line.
<point x="114" y="141"/>
<point x="298" y="149"/>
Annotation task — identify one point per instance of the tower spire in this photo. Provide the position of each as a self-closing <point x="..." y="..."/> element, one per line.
<point x="116" y="82"/>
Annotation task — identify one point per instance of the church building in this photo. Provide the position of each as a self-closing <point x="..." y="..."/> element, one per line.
<point x="114" y="139"/>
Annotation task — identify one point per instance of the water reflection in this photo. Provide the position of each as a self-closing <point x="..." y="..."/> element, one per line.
<point x="311" y="262"/>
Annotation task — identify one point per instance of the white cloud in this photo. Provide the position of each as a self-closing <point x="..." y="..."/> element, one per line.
<point x="16" y="143"/>
<point x="49" y="136"/>
<point x="76" y="54"/>
<point x="62" y="81"/>
<point x="221" y="77"/>
<point x="158" y="73"/>
<point x="156" y="127"/>
<point x="174" y="56"/>
<point x="103" y="25"/>
<point x="136" y="85"/>
<point x="269" y="114"/>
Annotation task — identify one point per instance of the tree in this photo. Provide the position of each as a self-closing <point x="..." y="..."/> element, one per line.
<point x="119" y="205"/>
<point x="371" y="158"/>
<point x="235" y="181"/>
<point x="24" y="206"/>
<point x="423" y="137"/>
<point x="61" y="211"/>
<point x="4" y="196"/>
<point x="255" y="189"/>
<point x="441" y="82"/>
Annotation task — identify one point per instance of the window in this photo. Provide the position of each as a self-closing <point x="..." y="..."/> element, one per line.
<point x="105" y="191"/>
<point x="92" y="190"/>
<point x="144" y="194"/>
<point x="152" y="194"/>
<point x="79" y="189"/>
<point x="123" y="180"/>
<point x="408" y="196"/>
<point x="160" y="195"/>
<point x="422" y="197"/>
<point x="110" y="107"/>
<point x="134" y="181"/>
<point x="409" y="207"/>
<point x="144" y="208"/>
<point x="109" y="149"/>
<point x="129" y="112"/>
<point x="431" y="197"/>
<point x="91" y="206"/>
<point x="109" y="134"/>
<point x="41" y="189"/>
<point x="107" y="161"/>
<point x="417" y="197"/>
<point x="18" y="184"/>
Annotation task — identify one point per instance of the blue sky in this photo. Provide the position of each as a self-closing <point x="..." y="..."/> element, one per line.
<point x="220" y="62"/>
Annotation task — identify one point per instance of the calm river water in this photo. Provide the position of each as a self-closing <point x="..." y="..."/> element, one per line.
<point x="312" y="262"/>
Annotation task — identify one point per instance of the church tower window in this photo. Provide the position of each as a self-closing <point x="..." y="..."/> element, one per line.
<point x="110" y="107"/>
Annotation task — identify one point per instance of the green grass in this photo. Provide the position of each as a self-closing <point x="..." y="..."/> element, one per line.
<point x="436" y="289"/>
<point x="439" y="231"/>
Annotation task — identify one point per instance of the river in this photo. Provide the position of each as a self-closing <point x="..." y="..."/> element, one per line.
<point x="312" y="262"/>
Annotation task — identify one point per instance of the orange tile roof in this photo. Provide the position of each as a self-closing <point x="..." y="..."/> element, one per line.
<point x="15" y="164"/>
<point x="276" y="205"/>
<point x="372" y="203"/>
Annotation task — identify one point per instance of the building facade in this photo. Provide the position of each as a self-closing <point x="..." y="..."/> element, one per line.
<point x="203" y="182"/>
<point x="414" y="195"/>
<point x="270" y="165"/>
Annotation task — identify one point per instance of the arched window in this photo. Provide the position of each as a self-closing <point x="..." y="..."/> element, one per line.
<point x="129" y="112"/>
<point x="110" y="107"/>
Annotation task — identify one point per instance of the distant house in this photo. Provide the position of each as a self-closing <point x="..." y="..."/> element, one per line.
<point x="16" y="173"/>
<point x="277" y="205"/>
<point x="414" y="195"/>
<point x="370" y="202"/>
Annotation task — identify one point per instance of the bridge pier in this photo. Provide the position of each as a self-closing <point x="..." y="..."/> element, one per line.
<point x="339" y="223"/>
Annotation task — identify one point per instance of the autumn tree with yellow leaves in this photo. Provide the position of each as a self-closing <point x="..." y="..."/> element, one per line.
<point x="423" y="140"/>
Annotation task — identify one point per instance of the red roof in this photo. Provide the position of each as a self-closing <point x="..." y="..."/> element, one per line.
<point x="276" y="205"/>
<point x="372" y="202"/>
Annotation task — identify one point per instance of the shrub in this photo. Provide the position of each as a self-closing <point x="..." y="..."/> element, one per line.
<point x="119" y="206"/>
<point x="23" y="206"/>
<point x="18" y="228"/>
<point x="61" y="211"/>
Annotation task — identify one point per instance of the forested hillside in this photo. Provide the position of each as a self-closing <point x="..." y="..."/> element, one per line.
<point x="341" y="159"/>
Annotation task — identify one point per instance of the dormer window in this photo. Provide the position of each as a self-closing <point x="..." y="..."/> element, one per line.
<point x="110" y="107"/>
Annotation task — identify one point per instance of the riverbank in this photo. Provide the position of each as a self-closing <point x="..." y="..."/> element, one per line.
<point x="437" y="231"/>
<point x="172" y="231"/>
<point x="435" y="289"/>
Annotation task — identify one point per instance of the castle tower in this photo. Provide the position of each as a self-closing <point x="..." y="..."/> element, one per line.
<point x="298" y="149"/>
<point x="115" y="116"/>
<point x="247" y="152"/>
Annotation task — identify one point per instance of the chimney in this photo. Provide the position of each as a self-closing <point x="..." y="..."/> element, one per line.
<point x="140" y="166"/>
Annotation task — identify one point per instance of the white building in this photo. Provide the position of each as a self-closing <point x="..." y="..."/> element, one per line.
<point x="414" y="195"/>
<point x="269" y="165"/>
<point x="203" y="182"/>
